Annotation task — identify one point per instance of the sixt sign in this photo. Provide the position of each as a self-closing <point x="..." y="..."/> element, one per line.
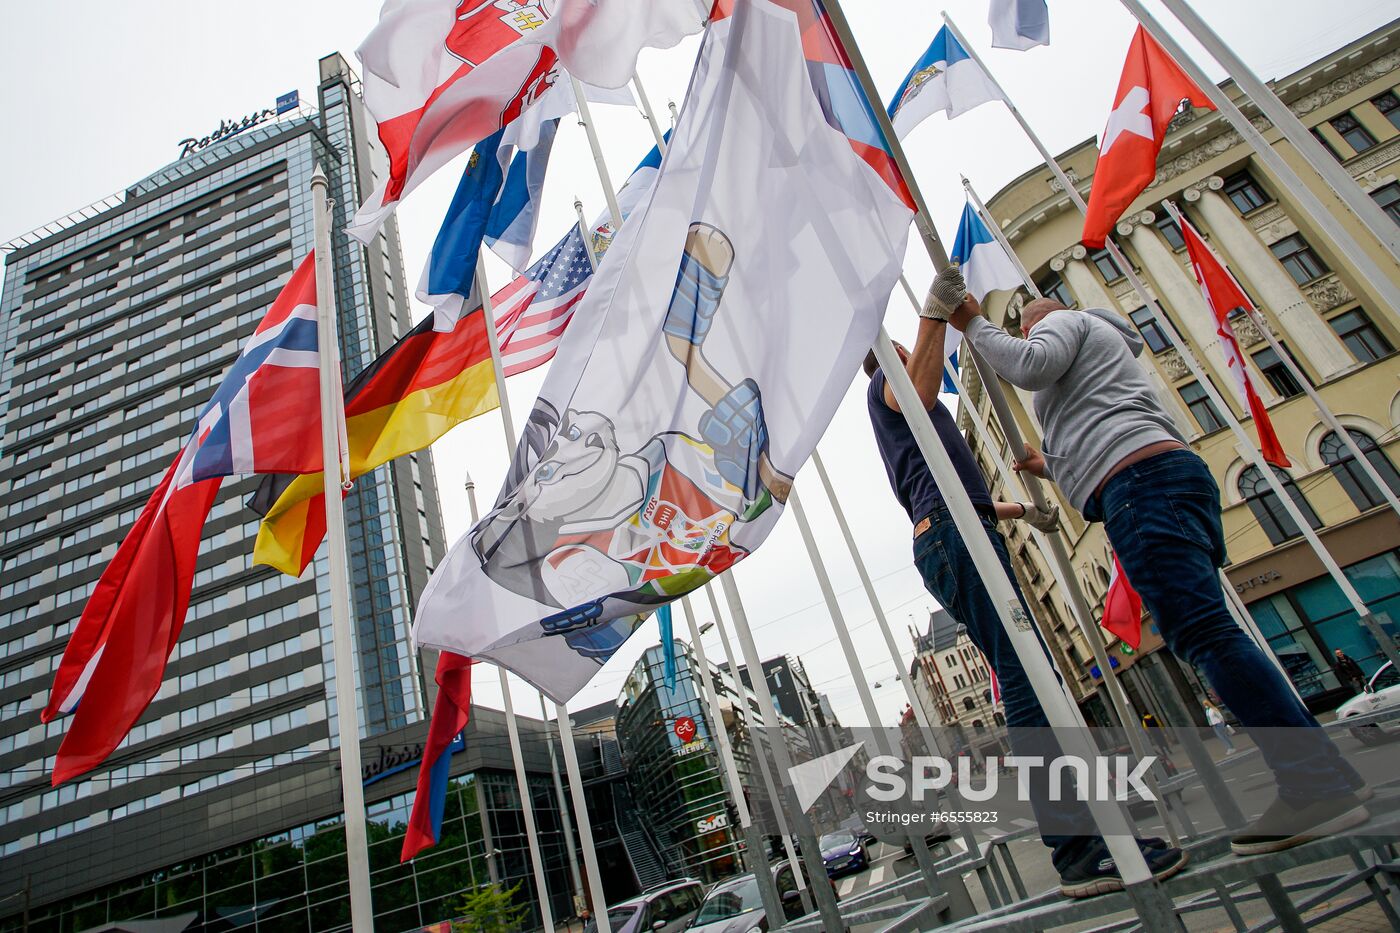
<point x="190" y="145"/>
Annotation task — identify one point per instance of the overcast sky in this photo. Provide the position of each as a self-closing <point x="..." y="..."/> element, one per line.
<point x="98" y="94"/>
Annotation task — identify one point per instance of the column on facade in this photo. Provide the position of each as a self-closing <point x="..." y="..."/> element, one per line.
<point x="1179" y="290"/>
<point x="1092" y="294"/>
<point x="1306" y="332"/>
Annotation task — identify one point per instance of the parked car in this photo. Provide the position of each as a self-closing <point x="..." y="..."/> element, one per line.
<point x="1382" y="692"/>
<point x="668" y="908"/>
<point x="735" y="906"/>
<point x="938" y="836"/>
<point x="843" y="853"/>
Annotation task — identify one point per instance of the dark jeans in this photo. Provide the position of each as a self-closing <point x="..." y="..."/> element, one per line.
<point x="1162" y="516"/>
<point x="950" y="575"/>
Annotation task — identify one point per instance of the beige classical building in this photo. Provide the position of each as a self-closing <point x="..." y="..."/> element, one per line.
<point x="1338" y="331"/>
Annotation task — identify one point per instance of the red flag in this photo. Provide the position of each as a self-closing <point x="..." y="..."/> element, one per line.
<point x="1223" y="295"/>
<point x="1122" y="608"/>
<point x="450" y="715"/>
<point x="265" y="417"/>
<point x="1149" y="93"/>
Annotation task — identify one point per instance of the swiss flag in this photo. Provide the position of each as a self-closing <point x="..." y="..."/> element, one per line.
<point x="1223" y="294"/>
<point x="1149" y="94"/>
<point x="1122" y="608"/>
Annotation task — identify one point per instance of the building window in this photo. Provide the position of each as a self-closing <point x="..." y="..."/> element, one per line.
<point x="1327" y="144"/>
<point x="1268" y="510"/>
<point x="1202" y="408"/>
<point x="1358" y="485"/>
<point x="1052" y="286"/>
<point x="1245" y="193"/>
<point x="968" y="704"/>
<point x="1171" y="232"/>
<point x="1276" y="371"/>
<point x="1108" y="267"/>
<point x="1299" y="259"/>
<point x="1356" y="135"/>
<point x="1389" y="106"/>
<point x="1361" y="337"/>
<point x="1388" y="197"/>
<point x="1151" y="329"/>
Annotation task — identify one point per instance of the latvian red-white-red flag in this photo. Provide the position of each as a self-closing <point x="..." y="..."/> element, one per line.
<point x="1223" y="295"/>
<point x="1122" y="609"/>
<point x="442" y="75"/>
<point x="1149" y="94"/>
<point x="264" y="418"/>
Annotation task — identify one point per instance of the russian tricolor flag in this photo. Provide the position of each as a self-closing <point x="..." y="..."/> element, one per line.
<point x="450" y="715"/>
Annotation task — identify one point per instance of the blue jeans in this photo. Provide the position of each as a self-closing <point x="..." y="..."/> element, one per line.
<point x="1162" y="516"/>
<point x="951" y="576"/>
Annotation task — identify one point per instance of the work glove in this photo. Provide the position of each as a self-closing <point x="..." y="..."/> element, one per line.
<point x="1046" y="520"/>
<point x="945" y="294"/>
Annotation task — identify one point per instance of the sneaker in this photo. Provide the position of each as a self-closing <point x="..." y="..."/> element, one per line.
<point x="1285" y="825"/>
<point x="1364" y="793"/>
<point x="1096" y="873"/>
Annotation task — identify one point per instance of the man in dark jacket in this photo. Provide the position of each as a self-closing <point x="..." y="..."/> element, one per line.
<point x="1348" y="671"/>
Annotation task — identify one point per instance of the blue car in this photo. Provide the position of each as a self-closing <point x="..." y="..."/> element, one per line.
<point x="843" y="852"/>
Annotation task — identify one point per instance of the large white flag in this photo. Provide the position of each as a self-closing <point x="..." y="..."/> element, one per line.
<point x="702" y="366"/>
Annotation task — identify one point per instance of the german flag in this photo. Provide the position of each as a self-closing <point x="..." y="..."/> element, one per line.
<point x="415" y="392"/>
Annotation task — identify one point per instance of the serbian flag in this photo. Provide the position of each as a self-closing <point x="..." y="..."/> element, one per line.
<point x="416" y="391"/>
<point x="442" y="75"/>
<point x="1122" y="608"/>
<point x="450" y="714"/>
<point x="1149" y="94"/>
<point x="264" y="417"/>
<point x="1224" y="295"/>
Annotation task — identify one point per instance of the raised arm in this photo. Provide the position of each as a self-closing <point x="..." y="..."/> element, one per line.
<point x="1033" y="363"/>
<point x="925" y="363"/>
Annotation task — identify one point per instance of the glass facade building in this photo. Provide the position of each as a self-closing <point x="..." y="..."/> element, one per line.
<point x="115" y="325"/>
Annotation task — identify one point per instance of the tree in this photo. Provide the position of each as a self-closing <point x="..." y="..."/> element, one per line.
<point x="488" y="909"/>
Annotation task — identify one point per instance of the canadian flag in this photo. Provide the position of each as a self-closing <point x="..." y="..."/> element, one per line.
<point x="1223" y="294"/>
<point x="1122" y="608"/>
<point x="1149" y="94"/>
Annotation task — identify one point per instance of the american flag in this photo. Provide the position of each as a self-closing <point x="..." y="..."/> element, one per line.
<point x="534" y="309"/>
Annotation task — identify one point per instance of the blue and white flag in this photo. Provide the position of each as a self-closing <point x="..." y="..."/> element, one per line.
<point x="985" y="265"/>
<point x="985" y="268"/>
<point x="490" y="205"/>
<point x="946" y="79"/>
<point x="1019" y="24"/>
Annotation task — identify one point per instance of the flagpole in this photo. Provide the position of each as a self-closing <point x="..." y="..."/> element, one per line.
<point x="867" y="698"/>
<point x="587" y="235"/>
<point x="566" y="822"/>
<point x="810" y="851"/>
<point x="527" y="803"/>
<point x="347" y="724"/>
<point x="920" y="714"/>
<point x="1385" y="230"/>
<point x="1153" y="906"/>
<point x="1247" y="448"/>
<point x="1001" y="239"/>
<point x="493" y="343"/>
<point x="585" y="828"/>
<point x="1323" y="411"/>
<point x="1246" y="621"/>
<point x="648" y="112"/>
<point x="755" y="742"/>
<point x="585" y="119"/>
<point x="1312" y="207"/>
<point x="522" y="785"/>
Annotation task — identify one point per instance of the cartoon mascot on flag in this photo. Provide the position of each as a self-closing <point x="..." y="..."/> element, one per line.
<point x="648" y="526"/>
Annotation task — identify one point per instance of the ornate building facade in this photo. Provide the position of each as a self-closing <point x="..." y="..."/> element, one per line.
<point x="1340" y="333"/>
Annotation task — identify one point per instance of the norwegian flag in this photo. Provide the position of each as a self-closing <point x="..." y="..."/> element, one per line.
<point x="1223" y="295"/>
<point x="1149" y="94"/>
<point x="1122" y="608"/>
<point x="265" y="417"/>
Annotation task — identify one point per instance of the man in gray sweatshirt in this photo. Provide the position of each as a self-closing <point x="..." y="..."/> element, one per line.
<point x="1118" y="456"/>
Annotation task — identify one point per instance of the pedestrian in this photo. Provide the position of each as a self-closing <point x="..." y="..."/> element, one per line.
<point x="950" y="574"/>
<point x="1349" y="673"/>
<point x="1118" y="456"/>
<point x="1217" y="724"/>
<point x="1156" y="734"/>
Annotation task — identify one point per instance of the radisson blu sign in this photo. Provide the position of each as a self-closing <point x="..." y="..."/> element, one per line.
<point x="190" y="145"/>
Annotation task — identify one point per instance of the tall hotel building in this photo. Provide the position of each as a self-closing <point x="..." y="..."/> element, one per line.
<point x="116" y="323"/>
